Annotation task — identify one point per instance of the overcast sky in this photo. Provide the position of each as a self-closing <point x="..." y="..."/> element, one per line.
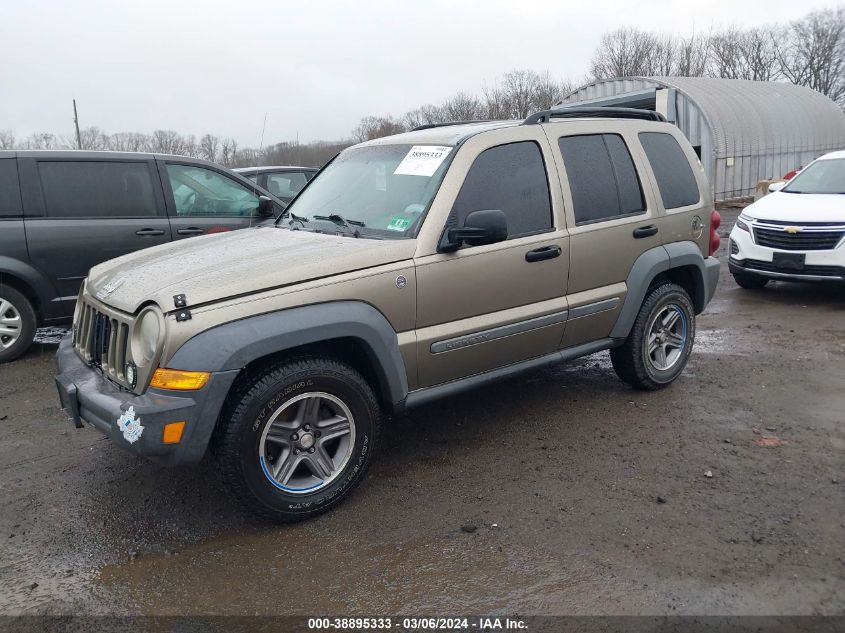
<point x="315" y="67"/>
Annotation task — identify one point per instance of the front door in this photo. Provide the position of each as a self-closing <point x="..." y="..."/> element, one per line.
<point x="202" y="200"/>
<point x="81" y="212"/>
<point x="482" y="307"/>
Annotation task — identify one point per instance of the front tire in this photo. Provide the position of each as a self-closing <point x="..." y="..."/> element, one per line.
<point x="17" y="324"/>
<point x="298" y="438"/>
<point x="750" y="282"/>
<point x="661" y="339"/>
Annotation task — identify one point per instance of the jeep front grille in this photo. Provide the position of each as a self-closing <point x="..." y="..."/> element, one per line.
<point x="798" y="238"/>
<point x="101" y="338"/>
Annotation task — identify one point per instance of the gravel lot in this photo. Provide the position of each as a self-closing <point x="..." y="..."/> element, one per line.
<point x="560" y="492"/>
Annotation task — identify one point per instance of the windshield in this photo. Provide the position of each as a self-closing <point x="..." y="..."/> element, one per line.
<point x="822" y="176"/>
<point x="379" y="191"/>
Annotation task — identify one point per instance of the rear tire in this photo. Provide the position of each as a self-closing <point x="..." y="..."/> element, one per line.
<point x="661" y="339"/>
<point x="17" y="324"/>
<point x="298" y="438"/>
<point x="750" y="282"/>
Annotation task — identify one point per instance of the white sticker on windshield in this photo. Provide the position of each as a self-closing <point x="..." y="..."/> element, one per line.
<point x="422" y="160"/>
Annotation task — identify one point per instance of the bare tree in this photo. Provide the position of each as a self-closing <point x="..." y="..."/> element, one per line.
<point x="811" y="52"/>
<point x="228" y="152"/>
<point x="744" y="54"/>
<point x="624" y="52"/>
<point x="691" y="56"/>
<point x="462" y="107"/>
<point x="209" y="146"/>
<point x="372" y="127"/>
<point x="41" y="140"/>
<point x="7" y="139"/>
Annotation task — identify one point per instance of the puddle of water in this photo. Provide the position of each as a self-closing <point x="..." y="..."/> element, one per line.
<point x="301" y="571"/>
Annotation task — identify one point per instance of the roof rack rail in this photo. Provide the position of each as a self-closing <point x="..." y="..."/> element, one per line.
<point x="428" y="126"/>
<point x="583" y="113"/>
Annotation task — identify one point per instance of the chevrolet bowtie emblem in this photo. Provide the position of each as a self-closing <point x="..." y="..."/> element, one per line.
<point x="792" y="230"/>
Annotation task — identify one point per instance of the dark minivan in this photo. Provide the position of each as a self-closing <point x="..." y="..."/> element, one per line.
<point x="62" y="212"/>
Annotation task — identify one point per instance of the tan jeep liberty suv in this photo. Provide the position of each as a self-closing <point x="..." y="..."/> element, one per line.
<point x="410" y="268"/>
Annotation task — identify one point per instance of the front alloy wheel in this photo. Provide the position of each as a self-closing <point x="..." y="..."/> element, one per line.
<point x="298" y="437"/>
<point x="307" y="442"/>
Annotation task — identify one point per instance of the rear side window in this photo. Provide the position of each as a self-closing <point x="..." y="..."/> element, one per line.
<point x="97" y="189"/>
<point x="511" y="178"/>
<point x="286" y="185"/>
<point x="602" y="177"/>
<point x="671" y="168"/>
<point x="10" y="195"/>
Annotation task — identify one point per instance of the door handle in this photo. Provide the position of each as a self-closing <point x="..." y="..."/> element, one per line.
<point x="191" y="230"/>
<point x="145" y="232"/>
<point x="539" y="254"/>
<point x="645" y="231"/>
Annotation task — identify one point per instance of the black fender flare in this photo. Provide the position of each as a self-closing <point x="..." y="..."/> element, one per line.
<point x="235" y="344"/>
<point x="648" y="266"/>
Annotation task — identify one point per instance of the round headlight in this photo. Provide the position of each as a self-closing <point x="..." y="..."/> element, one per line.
<point x="145" y="337"/>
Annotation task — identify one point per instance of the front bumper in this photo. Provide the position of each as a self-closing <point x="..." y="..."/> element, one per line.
<point x="89" y="398"/>
<point x="753" y="260"/>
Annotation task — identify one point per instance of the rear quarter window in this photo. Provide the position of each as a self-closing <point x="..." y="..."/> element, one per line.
<point x="10" y="195"/>
<point x="677" y="184"/>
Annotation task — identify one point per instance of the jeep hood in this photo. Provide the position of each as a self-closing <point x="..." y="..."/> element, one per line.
<point x="215" y="267"/>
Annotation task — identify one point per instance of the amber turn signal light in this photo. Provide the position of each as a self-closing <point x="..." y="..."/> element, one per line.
<point x="172" y="433"/>
<point x="179" y="380"/>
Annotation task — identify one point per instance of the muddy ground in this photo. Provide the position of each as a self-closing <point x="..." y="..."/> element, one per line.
<point x="562" y="472"/>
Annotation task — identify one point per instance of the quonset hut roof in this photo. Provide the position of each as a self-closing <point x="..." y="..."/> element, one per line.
<point x="751" y="117"/>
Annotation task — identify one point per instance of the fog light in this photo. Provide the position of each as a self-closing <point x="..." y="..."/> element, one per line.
<point x="179" y="380"/>
<point x="172" y="433"/>
<point x="131" y="374"/>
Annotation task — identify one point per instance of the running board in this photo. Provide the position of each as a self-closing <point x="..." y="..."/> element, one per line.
<point x="429" y="394"/>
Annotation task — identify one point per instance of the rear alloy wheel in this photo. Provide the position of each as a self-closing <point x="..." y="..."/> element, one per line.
<point x="659" y="344"/>
<point x="17" y="324"/>
<point x="298" y="438"/>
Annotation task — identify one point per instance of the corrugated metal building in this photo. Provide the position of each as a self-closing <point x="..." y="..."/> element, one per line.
<point x="743" y="131"/>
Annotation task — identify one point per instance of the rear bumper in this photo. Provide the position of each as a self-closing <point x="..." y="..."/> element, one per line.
<point x="712" y="267"/>
<point x="89" y="398"/>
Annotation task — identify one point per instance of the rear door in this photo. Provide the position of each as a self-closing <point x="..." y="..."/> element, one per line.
<point x="202" y="199"/>
<point x="611" y="219"/>
<point x="83" y="211"/>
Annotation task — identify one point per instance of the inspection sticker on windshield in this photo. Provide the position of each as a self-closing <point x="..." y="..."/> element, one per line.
<point x="422" y="160"/>
<point x="398" y="223"/>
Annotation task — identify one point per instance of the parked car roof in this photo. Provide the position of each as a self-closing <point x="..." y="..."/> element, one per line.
<point x="265" y="168"/>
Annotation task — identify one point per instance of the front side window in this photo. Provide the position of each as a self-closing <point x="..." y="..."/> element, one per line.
<point x="511" y="178"/>
<point x="286" y="185"/>
<point x="77" y="189"/>
<point x="602" y="177"/>
<point x="198" y="191"/>
<point x="380" y="191"/>
<point x="671" y="168"/>
<point x="822" y="176"/>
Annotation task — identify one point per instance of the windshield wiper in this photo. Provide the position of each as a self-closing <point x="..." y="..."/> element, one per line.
<point x="339" y="219"/>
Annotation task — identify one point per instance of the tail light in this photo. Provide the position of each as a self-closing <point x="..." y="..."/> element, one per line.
<point x="715" y="240"/>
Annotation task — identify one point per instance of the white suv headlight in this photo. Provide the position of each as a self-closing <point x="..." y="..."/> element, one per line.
<point x="145" y="337"/>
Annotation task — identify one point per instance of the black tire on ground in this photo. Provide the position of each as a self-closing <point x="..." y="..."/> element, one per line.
<point x="13" y="303"/>
<point x="750" y="282"/>
<point x="632" y="361"/>
<point x="248" y="413"/>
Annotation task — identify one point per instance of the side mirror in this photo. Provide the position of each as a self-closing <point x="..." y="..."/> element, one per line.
<point x="776" y="186"/>
<point x="265" y="207"/>
<point x="480" y="227"/>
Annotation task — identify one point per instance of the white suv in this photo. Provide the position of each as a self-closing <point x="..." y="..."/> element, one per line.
<point x="796" y="233"/>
